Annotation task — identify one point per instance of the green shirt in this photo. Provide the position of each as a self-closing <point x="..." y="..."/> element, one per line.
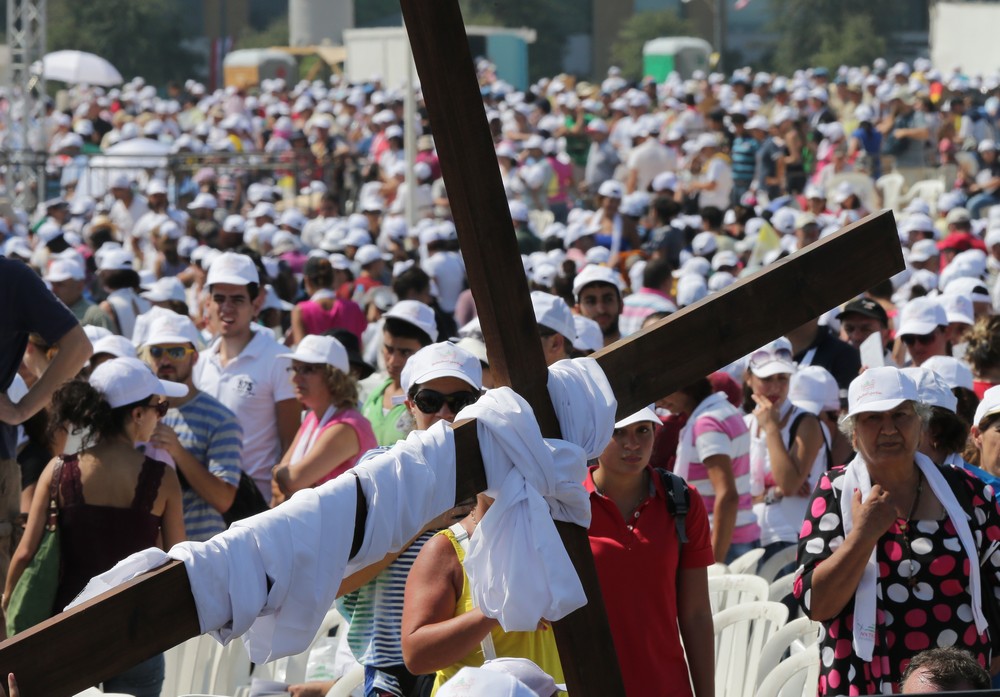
<point x="391" y="426"/>
<point x="90" y="314"/>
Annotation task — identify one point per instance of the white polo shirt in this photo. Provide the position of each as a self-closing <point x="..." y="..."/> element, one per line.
<point x="250" y="386"/>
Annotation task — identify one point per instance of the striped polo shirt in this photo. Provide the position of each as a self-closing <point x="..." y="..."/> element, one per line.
<point x="720" y="430"/>
<point x="213" y="436"/>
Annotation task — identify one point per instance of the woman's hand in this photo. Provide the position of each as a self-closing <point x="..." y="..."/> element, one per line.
<point x="12" y="690"/>
<point x="875" y="515"/>
<point x="766" y="413"/>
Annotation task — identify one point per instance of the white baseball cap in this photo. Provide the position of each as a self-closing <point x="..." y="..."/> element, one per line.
<point x="989" y="406"/>
<point x="321" y="350"/>
<point x="644" y="414"/>
<point x="64" y="270"/>
<point x="954" y="372"/>
<point x="594" y="273"/>
<point x="262" y="210"/>
<point x="125" y="381"/>
<point x="367" y="254"/>
<point x="814" y="389"/>
<point x="923" y="250"/>
<point x="958" y="308"/>
<point x="479" y="682"/>
<point x="611" y="189"/>
<point x="117" y="346"/>
<point x="704" y="243"/>
<point x="416" y="313"/>
<point x="880" y="389"/>
<point x="527" y="672"/>
<point x="922" y="316"/>
<point x="233" y="268"/>
<point x="552" y="312"/>
<point x="115" y="260"/>
<point x="48" y="231"/>
<point x="931" y="388"/>
<point x="172" y="328"/>
<point x="203" y="200"/>
<point x="589" y="336"/>
<point x="441" y="360"/>
<point x="155" y="186"/>
<point x="774" y="358"/>
<point x="165" y="289"/>
<point x="664" y="181"/>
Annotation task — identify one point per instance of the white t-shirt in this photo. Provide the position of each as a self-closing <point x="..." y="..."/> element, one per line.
<point x="448" y="272"/>
<point x="250" y="385"/>
<point x="649" y="159"/>
<point x="717" y="170"/>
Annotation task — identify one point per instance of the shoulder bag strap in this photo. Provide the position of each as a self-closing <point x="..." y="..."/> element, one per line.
<point x="52" y="520"/>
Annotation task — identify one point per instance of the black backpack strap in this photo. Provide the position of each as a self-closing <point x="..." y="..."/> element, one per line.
<point x="678" y="501"/>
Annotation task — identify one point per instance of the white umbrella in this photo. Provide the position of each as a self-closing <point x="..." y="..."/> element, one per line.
<point x="79" y="66"/>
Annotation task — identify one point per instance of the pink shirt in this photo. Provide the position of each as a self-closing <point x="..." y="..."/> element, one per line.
<point x="345" y="314"/>
<point x="354" y="419"/>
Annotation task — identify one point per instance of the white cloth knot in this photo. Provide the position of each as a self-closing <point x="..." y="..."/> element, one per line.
<point x="518" y="568"/>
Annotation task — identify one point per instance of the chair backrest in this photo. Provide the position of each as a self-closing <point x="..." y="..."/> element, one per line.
<point x="229" y="668"/>
<point x="769" y="569"/>
<point x="292" y="669"/>
<point x="348" y="682"/>
<point x="735" y="589"/>
<point x="891" y="187"/>
<point x="717" y="569"/>
<point x="793" y="637"/>
<point x="740" y="635"/>
<point x="796" y="676"/>
<point x="928" y="190"/>
<point x="746" y="563"/>
<point x="781" y="588"/>
<point x="187" y="667"/>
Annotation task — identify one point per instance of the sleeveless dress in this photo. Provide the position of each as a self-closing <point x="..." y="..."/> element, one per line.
<point x="539" y="646"/>
<point x="95" y="538"/>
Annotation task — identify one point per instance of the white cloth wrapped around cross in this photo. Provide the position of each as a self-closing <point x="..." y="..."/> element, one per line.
<point x="271" y="578"/>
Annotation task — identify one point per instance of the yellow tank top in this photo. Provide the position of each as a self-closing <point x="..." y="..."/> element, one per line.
<point x="538" y="646"/>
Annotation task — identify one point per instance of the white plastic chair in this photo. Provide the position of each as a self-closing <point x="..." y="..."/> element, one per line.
<point x="891" y="187"/>
<point x="292" y="669"/>
<point x="769" y="569"/>
<point x="740" y="635"/>
<point x="229" y="668"/>
<point x="717" y="569"/>
<point x="187" y="667"/>
<point x="348" y="682"/>
<point x="792" y="638"/>
<point x="732" y="589"/>
<point x="746" y="563"/>
<point x="927" y="190"/>
<point x="781" y="588"/>
<point x="796" y="676"/>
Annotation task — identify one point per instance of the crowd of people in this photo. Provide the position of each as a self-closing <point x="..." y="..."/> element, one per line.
<point x="182" y="351"/>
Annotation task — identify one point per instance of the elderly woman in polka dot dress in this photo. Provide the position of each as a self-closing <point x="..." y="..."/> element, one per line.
<point x="891" y="546"/>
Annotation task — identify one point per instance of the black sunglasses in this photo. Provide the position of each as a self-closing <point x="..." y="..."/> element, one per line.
<point x="431" y="401"/>
<point x="923" y="339"/>
<point x="160" y="408"/>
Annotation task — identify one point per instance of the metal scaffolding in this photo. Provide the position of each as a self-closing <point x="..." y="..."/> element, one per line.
<point x="25" y="175"/>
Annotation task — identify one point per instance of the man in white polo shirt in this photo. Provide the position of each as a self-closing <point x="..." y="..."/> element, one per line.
<point x="242" y="368"/>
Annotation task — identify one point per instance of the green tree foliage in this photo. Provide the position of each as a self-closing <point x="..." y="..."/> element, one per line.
<point x="833" y="32"/>
<point x="274" y="34"/>
<point x="139" y="38"/>
<point x="626" y="51"/>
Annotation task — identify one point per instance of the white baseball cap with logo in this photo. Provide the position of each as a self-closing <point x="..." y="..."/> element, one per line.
<point x="64" y="270"/>
<point x="321" y="350"/>
<point x="232" y="268"/>
<point x="416" y="313"/>
<point x="441" y="360"/>
<point x="125" y="381"/>
<point x="552" y="312"/>
<point x="880" y="389"/>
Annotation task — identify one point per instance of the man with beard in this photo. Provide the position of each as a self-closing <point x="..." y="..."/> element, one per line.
<point x="598" y="293"/>
<point x="201" y="435"/>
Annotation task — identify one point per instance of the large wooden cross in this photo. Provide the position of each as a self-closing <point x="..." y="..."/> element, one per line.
<point x="101" y="638"/>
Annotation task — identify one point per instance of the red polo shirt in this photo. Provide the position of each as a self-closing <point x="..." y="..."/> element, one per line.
<point x="637" y="566"/>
